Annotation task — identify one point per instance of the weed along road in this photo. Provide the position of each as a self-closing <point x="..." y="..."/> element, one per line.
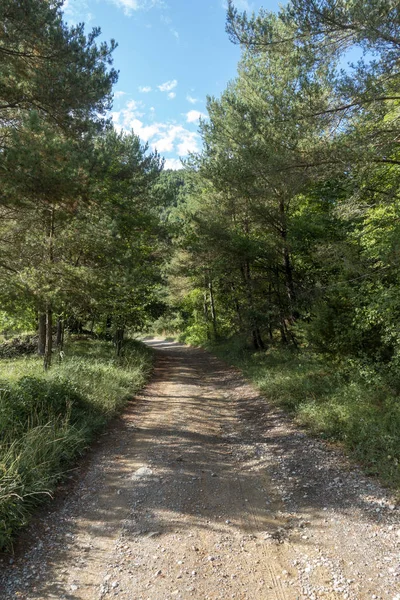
<point x="202" y="490"/>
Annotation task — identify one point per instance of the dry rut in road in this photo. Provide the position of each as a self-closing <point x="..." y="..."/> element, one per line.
<point x="201" y="490"/>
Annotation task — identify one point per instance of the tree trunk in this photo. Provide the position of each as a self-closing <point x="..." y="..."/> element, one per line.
<point x="119" y="340"/>
<point x="212" y="309"/>
<point x="206" y="315"/>
<point x="287" y="264"/>
<point x="60" y="333"/>
<point x="42" y="334"/>
<point x="282" y="329"/>
<point x="49" y="339"/>
<point x="255" y="331"/>
<point x="260" y="342"/>
<point x="270" y="330"/>
<point x="49" y="311"/>
<point x="237" y="307"/>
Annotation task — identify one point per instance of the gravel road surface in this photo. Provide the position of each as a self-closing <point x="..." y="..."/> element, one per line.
<point x="202" y="490"/>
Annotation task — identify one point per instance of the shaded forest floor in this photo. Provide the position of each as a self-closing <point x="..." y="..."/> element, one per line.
<point x="352" y="402"/>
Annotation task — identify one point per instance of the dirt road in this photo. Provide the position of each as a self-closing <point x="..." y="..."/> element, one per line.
<point x="203" y="491"/>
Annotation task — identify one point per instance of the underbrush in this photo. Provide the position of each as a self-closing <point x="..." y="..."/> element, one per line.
<point x="48" y="419"/>
<point x="348" y="402"/>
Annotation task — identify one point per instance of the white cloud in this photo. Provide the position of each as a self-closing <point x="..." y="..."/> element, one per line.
<point x="240" y="4"/>
<point x="171" y="133"/>
<point x="165" y="137"/>
<point x="177" y="139"/>
<point x="191" y="99"/>
<point x="76" y="11"/>
<point x="194" y="115"/>
<point x="165" y="144"/>
<point x="168" y="86"/>
<point x="171" y="95"/>
<point x="123" y="118"/>
<point x="130" y="6"/>
<point x="133" y="108"/>
<point x="188" y="144"/>
<point x="145" y="132"/>
<point x="127" y="5"/>
<point x="145" y="89"/>
<point x="173" y="163"/>
<point x="119" y="94"/>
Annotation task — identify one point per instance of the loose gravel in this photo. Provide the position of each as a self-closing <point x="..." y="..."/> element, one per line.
<point x="202" y="490"/>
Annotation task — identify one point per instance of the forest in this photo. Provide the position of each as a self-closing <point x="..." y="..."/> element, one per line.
<point x="277" y="246"/>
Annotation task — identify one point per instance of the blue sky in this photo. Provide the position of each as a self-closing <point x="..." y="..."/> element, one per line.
<point x="171" y="54"/>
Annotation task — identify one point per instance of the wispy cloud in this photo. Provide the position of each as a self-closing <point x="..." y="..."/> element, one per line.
<point x="145" y="89"/>
<point x="171" y="95"/>
<point x="168" y="22"/>
<point x="192" y="100"/>
<point x="240" y="4"/>
<point x="168" y="86"/>
<point x="119" y="94"/>
<point x="194" y="115"/>
<point x="76" y="11"/>
<point x="130" y="6"/>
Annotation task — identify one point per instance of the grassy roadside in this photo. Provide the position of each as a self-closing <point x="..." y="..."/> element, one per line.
<point x="347" y="403"/>
<point x="48" y="419"/>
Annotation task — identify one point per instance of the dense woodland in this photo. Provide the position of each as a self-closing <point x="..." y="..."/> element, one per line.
<point x="282" y="235"/>
<point x="287" y="223"/>
<point x="79" y="209"/>
<point x="284" y="227"/>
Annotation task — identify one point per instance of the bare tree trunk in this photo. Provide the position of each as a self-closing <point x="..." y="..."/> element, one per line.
<point x="212" y="309"/>
<point x="287" y="264"/>
<point x="237" y="307"/>
<point x="60" y="333"/>
<point x="260" y="341"/>
<point x="119" y="340"/>
<point x="49" y="338"/>
<point x="206" y="315"/>
<point x="42" y="334"/>
<point x="270" y="330"/>
<point x="255" y="331"/>
<point x="49" y="310"/>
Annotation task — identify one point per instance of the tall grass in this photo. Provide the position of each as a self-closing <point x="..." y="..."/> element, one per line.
<point x="348" y="402"/>
<point x="48" y="419"/>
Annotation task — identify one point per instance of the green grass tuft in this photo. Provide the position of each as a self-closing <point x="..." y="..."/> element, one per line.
<point x="48" y="419"/>
<point x="347" y="402"/>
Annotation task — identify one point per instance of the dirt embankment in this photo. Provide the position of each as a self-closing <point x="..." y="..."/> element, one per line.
<point x="201" y="490"/>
